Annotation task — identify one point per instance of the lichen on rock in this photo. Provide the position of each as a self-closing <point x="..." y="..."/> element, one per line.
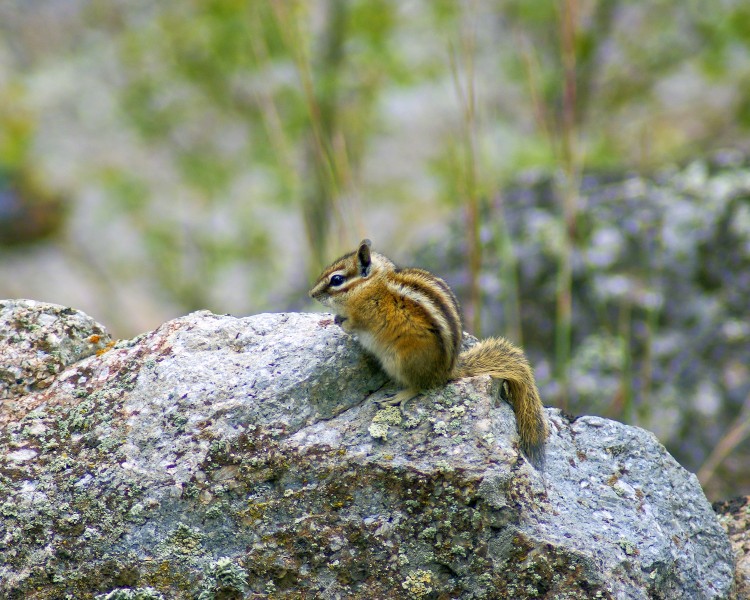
<point x="38" y="340"/>
<point x="234" y="458"/>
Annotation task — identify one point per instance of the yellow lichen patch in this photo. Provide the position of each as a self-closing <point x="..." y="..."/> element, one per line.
<point x="383" y="420"/>
<point x="378" y="430"/>
<point x="183" y="541"/>
<point x="390" y="415"/>
<point x="417" y="583"/>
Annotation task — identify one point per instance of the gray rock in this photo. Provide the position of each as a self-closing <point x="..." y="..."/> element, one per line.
<point x="38" y="340"/>
<point x="219" y="458"/>
<point x="734" y="516"/>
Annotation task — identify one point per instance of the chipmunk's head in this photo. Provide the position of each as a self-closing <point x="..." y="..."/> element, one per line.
<point x="343" y="279"/>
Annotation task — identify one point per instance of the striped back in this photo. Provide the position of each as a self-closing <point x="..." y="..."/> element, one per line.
<point x="437" y="303"/>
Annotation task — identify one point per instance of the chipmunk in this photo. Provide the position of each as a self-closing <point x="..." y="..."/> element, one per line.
<point x="410" y="320"/>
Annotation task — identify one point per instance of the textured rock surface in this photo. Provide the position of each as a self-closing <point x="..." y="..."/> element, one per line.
<point x="734" y="516"/>
<point x="38" y="340"/>
<point x="223" y="457"/>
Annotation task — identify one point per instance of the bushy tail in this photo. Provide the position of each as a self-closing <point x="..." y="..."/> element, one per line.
<point x="500" y="359"/>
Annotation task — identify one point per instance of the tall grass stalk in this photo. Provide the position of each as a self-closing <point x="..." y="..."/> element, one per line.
<point x="322" y="195"/>
<point x="626" y="410"/>
<point x="562" y="133"/>
<point x="653" y="315"/>
<point x="265" y="100"/>
<point x="737" y="433"/>
<point x="462" y="62"/>
<point x="571" y="165"/>
<point x="508" y="276"/>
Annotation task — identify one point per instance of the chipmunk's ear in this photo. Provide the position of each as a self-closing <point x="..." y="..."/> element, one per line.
<point x="363" y="257"/>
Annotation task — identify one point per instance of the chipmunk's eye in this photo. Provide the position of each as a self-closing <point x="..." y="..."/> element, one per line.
<point x="337" y="280"/>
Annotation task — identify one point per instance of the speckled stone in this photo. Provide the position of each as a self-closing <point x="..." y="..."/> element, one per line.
<point x="38" y="340"/>
<point x="226" y="457"/>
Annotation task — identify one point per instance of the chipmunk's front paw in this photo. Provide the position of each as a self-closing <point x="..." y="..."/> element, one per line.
<point x="344" y="322"/>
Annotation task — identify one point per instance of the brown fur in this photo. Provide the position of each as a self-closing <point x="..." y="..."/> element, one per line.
<point x="500" y="359"/>
<point x="410" y="320"/>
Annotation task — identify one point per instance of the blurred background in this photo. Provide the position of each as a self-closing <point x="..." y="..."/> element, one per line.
<point x="577" y="171"/>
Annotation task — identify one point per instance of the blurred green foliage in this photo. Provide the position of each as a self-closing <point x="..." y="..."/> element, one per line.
<point x="297" y="101"/>
<point x="291" y="95"/>
<point x="29" y="209"/>
<point x="209" y="134"/>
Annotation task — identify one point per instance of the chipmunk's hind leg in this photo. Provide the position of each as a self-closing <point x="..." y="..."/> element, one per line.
<point x="400" y="399"/>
